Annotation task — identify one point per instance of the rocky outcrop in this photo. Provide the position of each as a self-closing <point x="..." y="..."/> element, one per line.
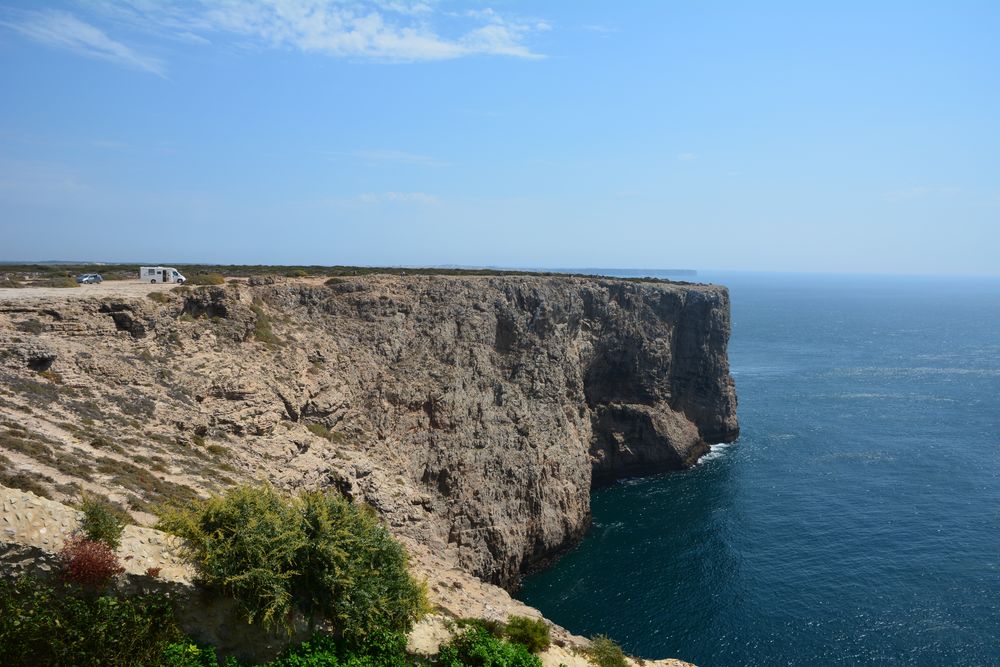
<point x="474" y="414"/>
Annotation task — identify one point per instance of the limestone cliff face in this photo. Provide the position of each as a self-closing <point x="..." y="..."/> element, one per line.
<point x="474" y="413"/>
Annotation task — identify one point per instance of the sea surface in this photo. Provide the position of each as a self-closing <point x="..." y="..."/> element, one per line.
<point x="857" y="519"/>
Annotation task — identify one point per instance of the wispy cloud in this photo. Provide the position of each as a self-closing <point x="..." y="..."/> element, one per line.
<point x="62" y="30"/>
<point x="384" y="30"/>
<point x="687" y="157"/>
<point x="919" y="192"/>
<point x="397" y="157"/>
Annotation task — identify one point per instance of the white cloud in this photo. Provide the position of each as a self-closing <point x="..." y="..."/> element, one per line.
<point x="687" y="157"/>
<point x="63" y="30"/>
<point x="386" y="30"/>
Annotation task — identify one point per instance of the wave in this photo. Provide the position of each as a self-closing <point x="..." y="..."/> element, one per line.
<point x="911" y="371"/>
<point x="886" y="395"/>
<point x="715" y="452"/>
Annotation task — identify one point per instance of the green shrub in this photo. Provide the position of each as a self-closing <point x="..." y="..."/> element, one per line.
<point x="380" y="649"/>
<point x="476" y="647"/>
<point x="604" y="652"/>
<point x="262" y="328"/>
<point x="102" y="521"/>
<point x="244" y="543"/>
<point x="186" y="653"/>
<point x="206" y="279"/>
<point x="495" y="628"/>
<point x="352" y="571"/>
<point x="318" y="554"/>
<point x="320" y="651"/>
<point x="158" y="297"/>
<point x="45" y="625"/>
<point x="59" y="281"/>
<point x="531" y="632"/>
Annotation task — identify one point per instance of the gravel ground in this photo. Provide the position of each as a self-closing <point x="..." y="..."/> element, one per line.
<point x="127" y="288"/>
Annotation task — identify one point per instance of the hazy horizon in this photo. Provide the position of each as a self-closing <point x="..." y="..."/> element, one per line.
<point x="697" y="272"/>
<point x="777" y="137"/>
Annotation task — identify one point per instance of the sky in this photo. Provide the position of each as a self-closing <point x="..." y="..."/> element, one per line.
<point x="767" y="136"/>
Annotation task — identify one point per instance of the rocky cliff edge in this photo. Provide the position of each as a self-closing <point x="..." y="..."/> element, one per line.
<point x="474" y="413"/>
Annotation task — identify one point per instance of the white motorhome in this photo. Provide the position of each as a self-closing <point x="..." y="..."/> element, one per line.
<point x="160" y="274"/>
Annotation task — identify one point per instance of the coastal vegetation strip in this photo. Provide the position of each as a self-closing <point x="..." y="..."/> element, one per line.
<point x="61" y="275"/>
<point x="315" y="557"/>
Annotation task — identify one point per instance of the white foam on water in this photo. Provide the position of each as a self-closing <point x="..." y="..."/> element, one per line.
<point x="715" y="452"/>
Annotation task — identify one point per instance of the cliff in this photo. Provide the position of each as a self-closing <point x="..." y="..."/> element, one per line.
<point x="473" y="413"/>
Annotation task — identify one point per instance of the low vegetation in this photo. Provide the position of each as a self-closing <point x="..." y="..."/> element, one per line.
<point x="387" y="649"/>
<point x="533" y="633"/>
<point x="143" y="482"/>
<point x="37" y="274"/>
<point x="49" y="625"/>
<point x="65" y="280"/>
<point x="38" y="447"/>
<point x="158" y="297"/>
<point x="102" y="521"/>
<point x="478" y="647"/>
<point x="604" y="652"/>
<point x="206" y="279"/>
<point x="317" y="554"/>
<point x="262" y="328"/>
<point x="17" y="479"/>
<point x="89" y="564"/>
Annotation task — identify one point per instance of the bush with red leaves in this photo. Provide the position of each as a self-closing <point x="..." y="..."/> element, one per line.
<point x="88" y="563"/>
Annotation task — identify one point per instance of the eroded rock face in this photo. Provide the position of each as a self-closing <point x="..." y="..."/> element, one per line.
<point x="473" y="413"/>
<point x="505" y="399"/>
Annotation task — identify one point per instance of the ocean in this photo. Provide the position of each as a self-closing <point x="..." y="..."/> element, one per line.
<point x="857" y="519"/>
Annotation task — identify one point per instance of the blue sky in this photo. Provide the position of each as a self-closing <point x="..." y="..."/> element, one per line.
<point x="787" y="136"/>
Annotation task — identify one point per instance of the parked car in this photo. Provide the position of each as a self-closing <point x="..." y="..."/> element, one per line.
<point x="89" y="278"/>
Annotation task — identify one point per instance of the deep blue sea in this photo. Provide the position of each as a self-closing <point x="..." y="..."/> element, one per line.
<point x="857" y="519"/>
